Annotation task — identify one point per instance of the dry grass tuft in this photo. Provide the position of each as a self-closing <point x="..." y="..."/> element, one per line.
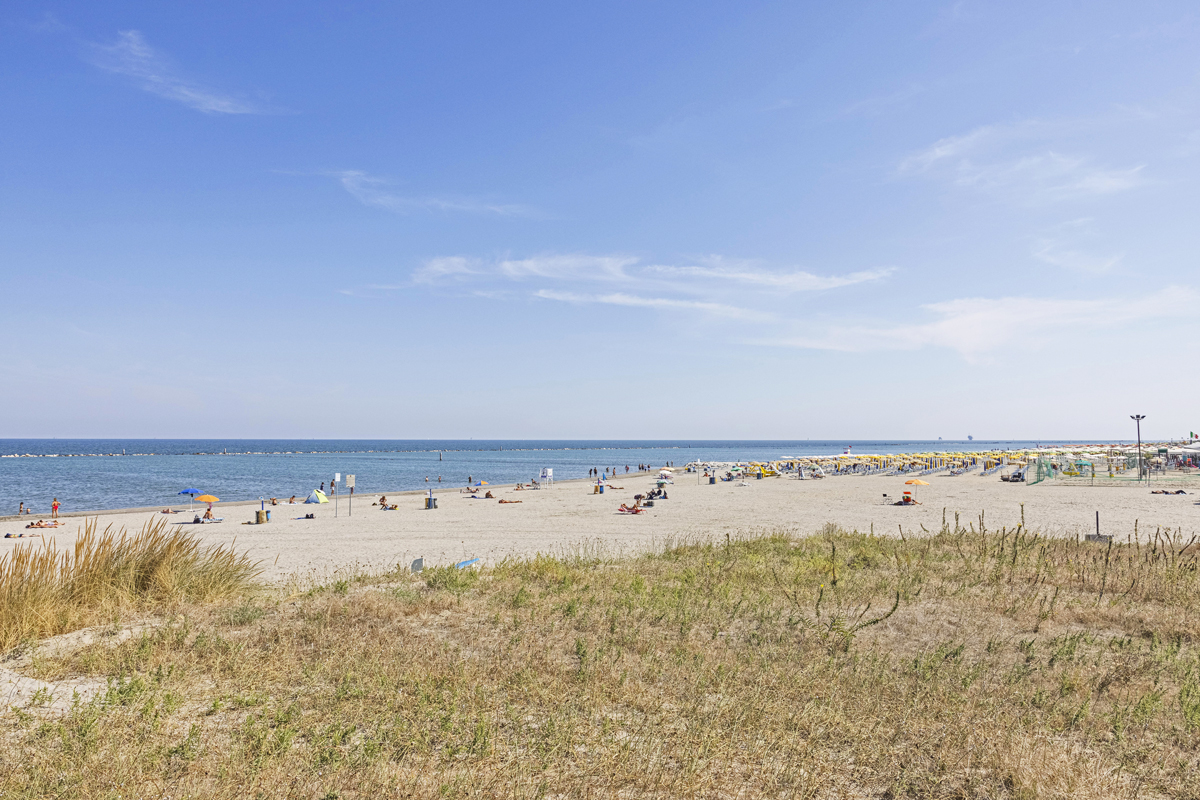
<point x="1011" y="666"/>
<point x="45" y="591"/>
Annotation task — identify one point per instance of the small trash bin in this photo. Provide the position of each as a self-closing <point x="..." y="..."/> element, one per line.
<point x="260" y="517"/>
<point x="430" y="502"/>
<point x="268" y="515"/>
<point x="712" y="479"/>
<point x="758" y="477"/>
<point x="601" y="489"/>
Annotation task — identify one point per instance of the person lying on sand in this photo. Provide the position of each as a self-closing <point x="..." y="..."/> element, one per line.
<point x="512" y="501"/>
<point x="169" y="511"/>
<point x="274" y="501"/>
<point x="1167" y="491"/>
<point x="908" y="501"/>
<point x="633" y="509"/>
<point x="42" y="524"/>
<point x="22" y="535"/>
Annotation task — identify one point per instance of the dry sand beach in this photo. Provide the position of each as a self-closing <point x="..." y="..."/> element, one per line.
<point x="569" y="515"/>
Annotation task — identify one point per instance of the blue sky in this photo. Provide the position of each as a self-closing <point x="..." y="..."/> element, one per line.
<point x="627" y="220"/>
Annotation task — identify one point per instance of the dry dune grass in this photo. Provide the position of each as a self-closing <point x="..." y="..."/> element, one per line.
<point x="46" y="591"/>
<point x="1012" y="666"/>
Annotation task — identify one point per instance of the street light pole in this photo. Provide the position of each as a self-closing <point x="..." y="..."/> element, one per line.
<point x="1137" y="418"/>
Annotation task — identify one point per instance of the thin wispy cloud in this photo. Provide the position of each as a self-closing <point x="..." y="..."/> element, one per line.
<point x="576" y="267"/>
<point x="377" y="192"/>
<point x="687" y="288"/>
<point x="639" y="301"/>
<point x="1058" y="254"/>
<point x="151" y="71"/>
<point x="1021" y="160"/>
<point x="798" y="281"/>
<point x="976" y="326"/>
<point x="450" y="267"/>
<point x="569" y="267"/>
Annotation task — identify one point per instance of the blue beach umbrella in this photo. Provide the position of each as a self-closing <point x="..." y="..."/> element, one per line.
<point x="191" y="493"/>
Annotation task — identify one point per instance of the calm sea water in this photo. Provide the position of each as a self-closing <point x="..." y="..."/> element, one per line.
<point x="93" y="474"/>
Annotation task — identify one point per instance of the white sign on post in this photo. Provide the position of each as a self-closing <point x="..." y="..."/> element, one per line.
<point x="337" y="476"/>
<point x="349" y="481"/>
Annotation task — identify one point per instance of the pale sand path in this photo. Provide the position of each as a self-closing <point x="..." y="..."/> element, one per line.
<point x="569" y="515"/>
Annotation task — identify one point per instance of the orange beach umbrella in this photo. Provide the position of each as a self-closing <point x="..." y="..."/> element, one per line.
<point x="916" y="482"/>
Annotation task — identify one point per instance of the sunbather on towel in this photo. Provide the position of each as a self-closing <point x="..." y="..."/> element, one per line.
<point x="511" y="501"/>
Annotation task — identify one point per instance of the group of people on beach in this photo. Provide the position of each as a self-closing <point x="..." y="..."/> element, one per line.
<point x="594" y="472"/>
<point x="23" y="511"/>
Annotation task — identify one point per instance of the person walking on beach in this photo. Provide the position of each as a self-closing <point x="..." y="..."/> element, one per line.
<point x="21" y="509"/>
<point x="322" y="487"/>
<point x="54" y="509"/>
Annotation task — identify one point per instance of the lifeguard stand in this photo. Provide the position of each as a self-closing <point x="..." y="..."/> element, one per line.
<point x="547" y="478"/>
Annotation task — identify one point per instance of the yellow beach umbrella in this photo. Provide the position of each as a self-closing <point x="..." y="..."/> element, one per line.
<point x="207" y="498"/>
<point x="916" y="482"/>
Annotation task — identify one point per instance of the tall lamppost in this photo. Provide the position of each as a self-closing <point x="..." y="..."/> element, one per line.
<point x="1137" y="418"/>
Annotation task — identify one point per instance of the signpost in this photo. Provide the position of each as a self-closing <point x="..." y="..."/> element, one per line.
<point x="337" y="476"/>
<point x="350" y="486"/>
